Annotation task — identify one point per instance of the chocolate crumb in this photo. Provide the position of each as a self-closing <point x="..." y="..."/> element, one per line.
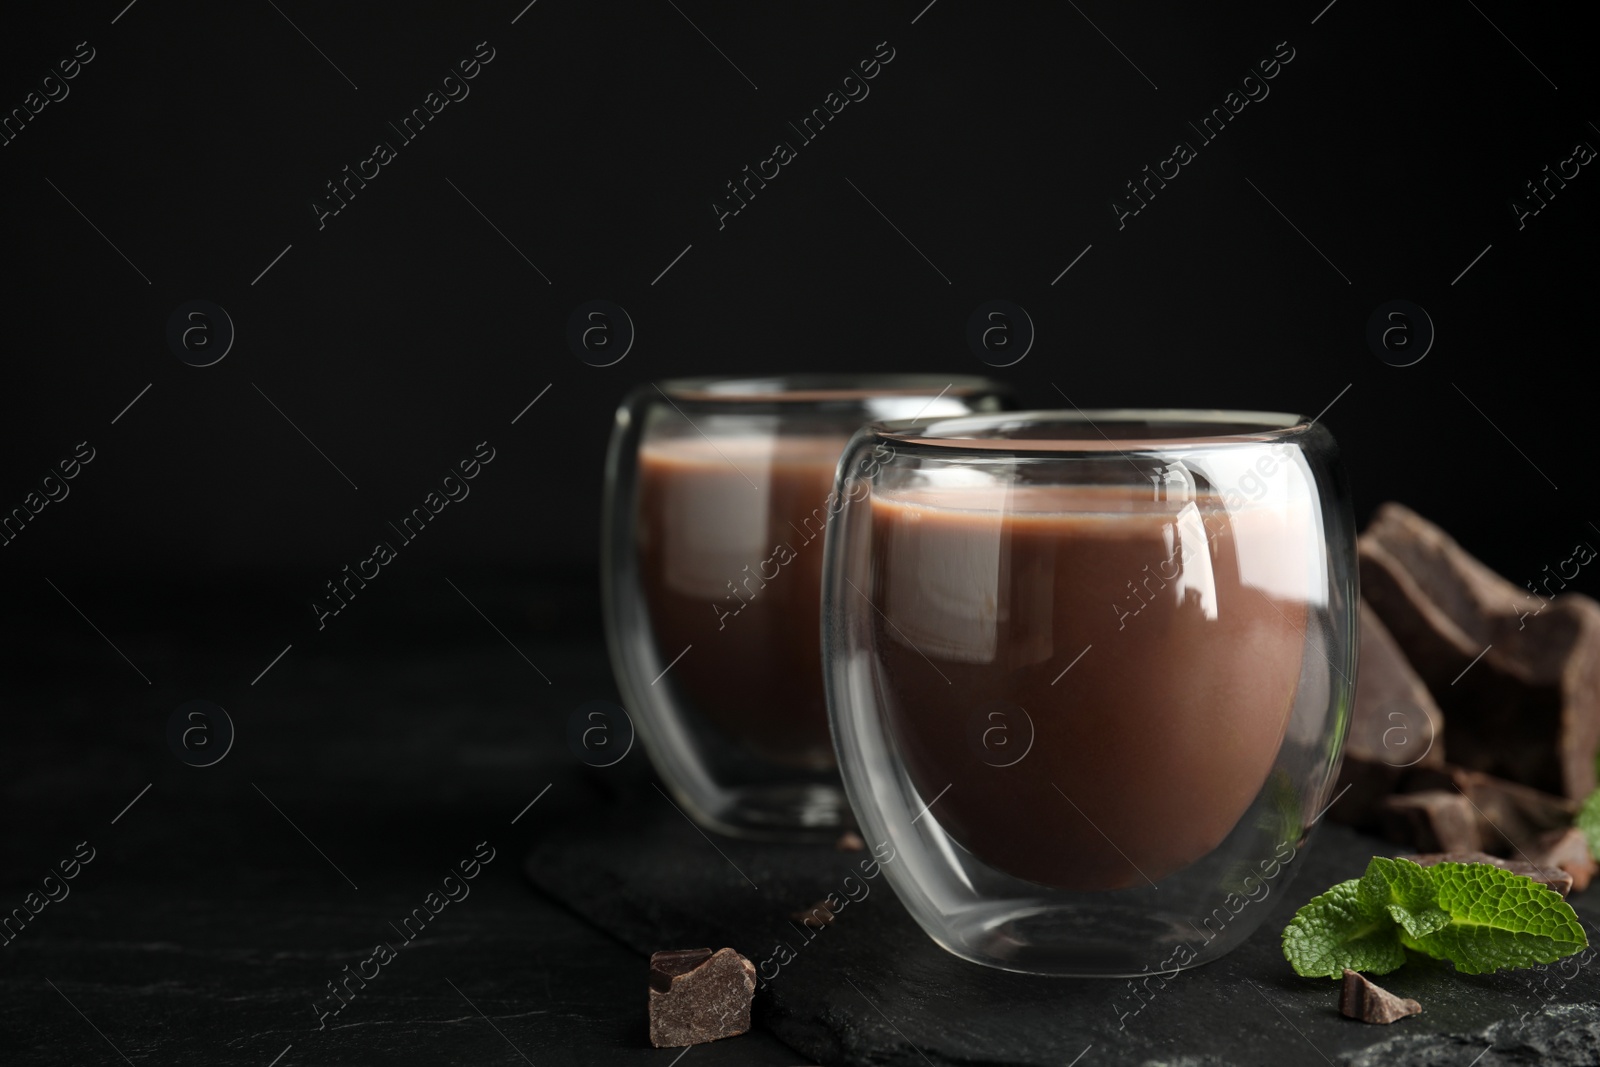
<point x="1361" y="998"/>
<point x="697" y="995"/>
<point x="819" y="914"/>
<point x="850" y="841"/>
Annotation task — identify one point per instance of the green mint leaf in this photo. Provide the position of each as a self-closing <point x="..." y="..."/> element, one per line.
<point x="1589" y="821"/>
<point x="1497" y="919"/>
<point x="1478" y="916"/>
<point x="1342" y="928"/>
<point x="1404" y="890"/>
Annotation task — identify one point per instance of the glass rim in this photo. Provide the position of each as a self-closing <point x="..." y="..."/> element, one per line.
<point x="822" y="387"/>
<point x="983" y="434"/>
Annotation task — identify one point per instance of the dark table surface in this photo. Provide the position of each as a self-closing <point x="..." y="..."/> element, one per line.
<point x="368" y="762"/>
<point x="365" y="766"/>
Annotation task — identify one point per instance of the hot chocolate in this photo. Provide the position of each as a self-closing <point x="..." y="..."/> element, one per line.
<point x="1155" y="646"/>
<point x="730" y="561"/>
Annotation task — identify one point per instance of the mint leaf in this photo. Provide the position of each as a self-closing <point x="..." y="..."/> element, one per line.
<point x="1404" y="890"/>
<point x="1342" y="928"/>
<point x="1478" y="916"/>
<point x="1497" y="919"/>
<point x="1589" y="821"/>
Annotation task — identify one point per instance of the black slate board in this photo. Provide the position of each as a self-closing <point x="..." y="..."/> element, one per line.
<point x="873" y="989"/>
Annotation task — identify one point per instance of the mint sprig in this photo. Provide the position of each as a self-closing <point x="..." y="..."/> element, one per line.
<point x="1478" y="916"/>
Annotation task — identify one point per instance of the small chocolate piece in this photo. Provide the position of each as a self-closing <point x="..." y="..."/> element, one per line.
<point x="1361" y="998"/>
<point x="697" y="995"/>
<point x="818" y="915"/>
<point x="1566" y="850"/>
<point x="1395" y="725"/>
<point x="1516" y="670"/>
<point x="1435" y="820"/>
<point x="850" y="841"/>
<point x="1554" y="877"/>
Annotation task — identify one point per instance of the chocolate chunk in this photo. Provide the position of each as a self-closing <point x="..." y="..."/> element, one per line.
<point x="1395" y="726"/>
<point x="1361" y="998"/>
<point x="697" y="995"/>
<point x="1566" y="850"/>
<point x="850" y="841"/>
<point x="818" y="915"/>
<point x="1554" y="877"/>
<point x="1510" y="817"/>
<point x="1435" y="820"/>
<point x="1516" y="671"/>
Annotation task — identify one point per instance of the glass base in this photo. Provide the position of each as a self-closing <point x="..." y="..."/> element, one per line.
<point x="779" y="813"/>
<point x="1063" y="942"/>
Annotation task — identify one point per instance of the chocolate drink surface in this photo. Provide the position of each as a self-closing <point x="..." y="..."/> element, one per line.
<point x="730" y="560"/>
<point x="1147" y="750"/>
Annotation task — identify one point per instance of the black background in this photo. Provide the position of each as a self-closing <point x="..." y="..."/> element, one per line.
<point x="407" y="329"/>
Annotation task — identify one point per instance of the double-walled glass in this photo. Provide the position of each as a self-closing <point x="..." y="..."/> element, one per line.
<point x="1091" y="674"/>
<point x="718" y="493"/>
